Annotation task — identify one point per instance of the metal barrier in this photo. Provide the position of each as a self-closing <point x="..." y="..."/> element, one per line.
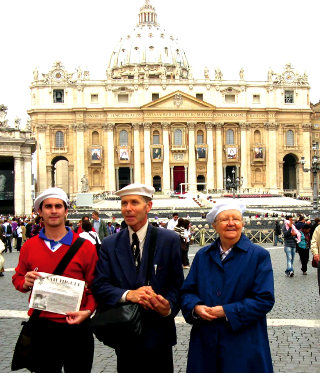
<point x="205" y="236"/>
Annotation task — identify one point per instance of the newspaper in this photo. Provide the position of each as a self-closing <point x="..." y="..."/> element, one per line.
<point x="56" y="294"/>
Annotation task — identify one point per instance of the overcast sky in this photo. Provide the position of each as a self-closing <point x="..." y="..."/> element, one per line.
<point x="230" y="34"/>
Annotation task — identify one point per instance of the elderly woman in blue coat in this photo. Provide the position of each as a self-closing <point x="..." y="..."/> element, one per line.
<point x="226" y="296"/>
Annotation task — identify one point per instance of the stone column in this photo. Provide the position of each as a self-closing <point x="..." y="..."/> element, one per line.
<point x="166" y="158"/>
<point x="117" y="178"/>
<point x="81" y="151"/>
<point x="19" y="186"/>
<point x="210" y="168"/>
<point x="192" y="158"/>
<point x="306" y="146"/>
<point x="131" y="175"/>
<point x="71" y="179"/>
<point x="271" y="154"/>
<point x="243" y="154"/>
<point x="186" y="174"/>
<point x="27" y="185"/>
<point x="171" y="178"/>
<point x="110" y="182"/>
<point x="147" y="158"/>
<point x="42" y="161"/>
<point x="50" y="176"/>
<point x="136" y="152"/>
<point x="219" y="155"/>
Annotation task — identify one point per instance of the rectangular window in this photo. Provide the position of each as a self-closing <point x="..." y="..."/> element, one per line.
<point x="123" y="98"/>
<point x="288" y="97"/>
<point x="58" y="96"/>
<point x="155" y="96"/>
<point x="230" y="99"/>
<point x="199" y="96"/>
<point x="256" y="99"/>
<point x="94" y="98"/>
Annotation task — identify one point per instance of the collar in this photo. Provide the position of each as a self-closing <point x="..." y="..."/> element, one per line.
<point x="242" y="244"/>
<point x="65" y="240"/>
<point x="141" y="233"/>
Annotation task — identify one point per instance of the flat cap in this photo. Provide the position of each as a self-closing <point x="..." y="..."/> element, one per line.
<point x="50" y="193"/>
<point x="223" y="205"/>
<point x="136" y="189"/>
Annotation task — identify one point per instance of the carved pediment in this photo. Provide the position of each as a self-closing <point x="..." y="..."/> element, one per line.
<point x="178" y="101"/>
<point x="230" y="91"/>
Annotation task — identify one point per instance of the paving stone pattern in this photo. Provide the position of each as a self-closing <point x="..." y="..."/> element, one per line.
<point x="294" y="349"/>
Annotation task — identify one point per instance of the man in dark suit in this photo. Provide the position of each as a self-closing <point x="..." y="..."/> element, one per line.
<point x="121" y="277"/>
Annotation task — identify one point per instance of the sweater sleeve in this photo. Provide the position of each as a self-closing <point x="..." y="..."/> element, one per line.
<point x="21" y="269"/>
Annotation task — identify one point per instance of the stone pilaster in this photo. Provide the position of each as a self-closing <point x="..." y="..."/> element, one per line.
<point x="210" y="168"/>
<point x="271" y="160"/>
<point x="80" y="128"/>
<point x="306" y="146"/>
<point x="19" y="181"/>
<point x="110" y="182"/>
<point x="71" y="179"/>
<point x="166" y="158"/>
<point x="42" y="171"/>
<point x="27" y="185"/>
<point x="219" y="155"/>
<point x="136" y="152"/>
<point x="147" y="158"/>
<point x="192" y="158"/>
<point x="244" y="153"/>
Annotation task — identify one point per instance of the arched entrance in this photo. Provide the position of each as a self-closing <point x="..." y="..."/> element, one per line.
<point x="290" y="173"/>
<point x="60" y="173"/>
<point x="230" y="175"/>
<point x="178" y="178"/>
<point x="124" y="177"/>
<point x="201" y="179"/>
<point x="157" y="183"/>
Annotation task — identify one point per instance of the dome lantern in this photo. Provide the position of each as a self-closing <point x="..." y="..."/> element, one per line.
<point x="148" y="15"/>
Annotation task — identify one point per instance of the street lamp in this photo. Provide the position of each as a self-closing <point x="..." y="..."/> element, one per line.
<point x="315" y="168"/>
<point x="233" y="183"/>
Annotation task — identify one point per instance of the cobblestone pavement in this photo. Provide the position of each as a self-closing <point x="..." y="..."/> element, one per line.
<point x="293" y="324"/>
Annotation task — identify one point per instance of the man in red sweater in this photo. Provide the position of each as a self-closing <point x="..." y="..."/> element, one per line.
<point x="61" y="340"/>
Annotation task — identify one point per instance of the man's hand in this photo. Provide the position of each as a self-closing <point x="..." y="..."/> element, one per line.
<point x="159" y="304"/>
<point x="316" y="258"/>
<point x="136" y="296"/>
<point x="209" y="313"/>
<point x="77" y="317"/>
<point x="29" y="279"/>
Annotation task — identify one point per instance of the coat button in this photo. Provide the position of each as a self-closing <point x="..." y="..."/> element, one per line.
<point x="218" y="293"/>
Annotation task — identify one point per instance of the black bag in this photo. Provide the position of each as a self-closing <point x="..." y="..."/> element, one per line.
<point x="23" y="356"/>
<point x="9" y="229"/>
<point x="118" y="324"/>
<point x="15" y="234"/>
<point x="122" y="324"/>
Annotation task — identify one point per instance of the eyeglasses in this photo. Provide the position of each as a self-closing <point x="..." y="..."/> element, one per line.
<point x="229" y="220"/>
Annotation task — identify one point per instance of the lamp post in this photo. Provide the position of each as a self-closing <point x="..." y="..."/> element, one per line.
<point x="233" y="183"/>
<point x="315" y="168"/>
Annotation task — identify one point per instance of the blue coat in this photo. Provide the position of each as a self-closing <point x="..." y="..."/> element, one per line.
<point x="243" y="285"/>
<point x="116" y="273"/>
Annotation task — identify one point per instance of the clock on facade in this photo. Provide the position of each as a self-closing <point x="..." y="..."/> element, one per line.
<point x="289" y="76"/>
<point x="58" y="75"/>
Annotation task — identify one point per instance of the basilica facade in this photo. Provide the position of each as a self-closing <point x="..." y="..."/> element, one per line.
<point x="148" y="120"/>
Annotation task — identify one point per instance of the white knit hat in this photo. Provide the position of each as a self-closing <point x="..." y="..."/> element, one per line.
<point x="136" y="189"/>
<point x="50" y="193"/>
<point x="223" y="205"/>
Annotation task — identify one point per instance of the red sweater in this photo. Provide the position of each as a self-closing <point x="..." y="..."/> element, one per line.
<point x="36" y="254"/>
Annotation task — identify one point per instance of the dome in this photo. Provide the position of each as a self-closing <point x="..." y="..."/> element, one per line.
<point x="148" y="51"/>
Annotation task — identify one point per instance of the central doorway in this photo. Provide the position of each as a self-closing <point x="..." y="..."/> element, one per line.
<point x="178" y="178"/>
<point x="124" y="177"/>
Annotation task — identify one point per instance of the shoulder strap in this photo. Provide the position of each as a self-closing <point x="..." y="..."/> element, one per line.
<point x="62" y="266"/>
<point x="151" y="249"/>
<point x="68" y="256"/>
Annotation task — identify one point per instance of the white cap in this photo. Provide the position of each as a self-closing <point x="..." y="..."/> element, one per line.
<point x="223" y="205"/>
<point x="136" y="189"/>
<point x="50" y="193"/>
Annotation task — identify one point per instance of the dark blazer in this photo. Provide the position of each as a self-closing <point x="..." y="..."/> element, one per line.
<point x="116" y="273"/>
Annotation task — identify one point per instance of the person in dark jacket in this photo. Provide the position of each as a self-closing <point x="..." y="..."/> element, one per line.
<point x="291" y="237"/>
<point x="277" y="234"/>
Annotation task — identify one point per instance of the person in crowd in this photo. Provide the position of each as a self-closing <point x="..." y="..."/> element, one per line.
<point x="314" y="226"/>
<point x="37" y="226"/>
<point x="24" y="231"/>
<point x="14" y="225"/>
<point x="2" y="260"/>
<point x="69" y="224"/>
<point x="88" y="234"/>
<point x="84" y="218"/>
<point x="187" y="236"/>
<point x="110" y="228"/>
<point x="277" y="234"/>
<point x="7" y="227"/>
<point x="118" y="228"/>
<point x="99" y="225"/>
<point x="292" y="236"/>
<point x="29" y="228"/>
<point x="300" y="223"/>
<point x="315" y="250"/>
<point x="59" y="340"/>
<point x="179" y="229"/>
<point x="121" y="277"/>
<point x="226" y="296"/>
<point x="19" y="236"/>
<point x="303" y="247"/>
<point x="173" y="222"/>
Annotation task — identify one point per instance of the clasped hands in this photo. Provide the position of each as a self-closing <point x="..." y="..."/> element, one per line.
<point x="149" y="300"/>
<point x="209" y="313"/>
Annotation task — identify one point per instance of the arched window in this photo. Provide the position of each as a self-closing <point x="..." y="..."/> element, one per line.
<point x="230" y="137"/>
<point x="95" y="138"/>
<point x="257" y="137"/>
<point x="200" y="138"/>
<point x="59" y="139"/>
<point x="290" y="138"/>
<point x="123" y="138"/>
<point x="155" y="138"/>
<point x="178" y="137"/>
